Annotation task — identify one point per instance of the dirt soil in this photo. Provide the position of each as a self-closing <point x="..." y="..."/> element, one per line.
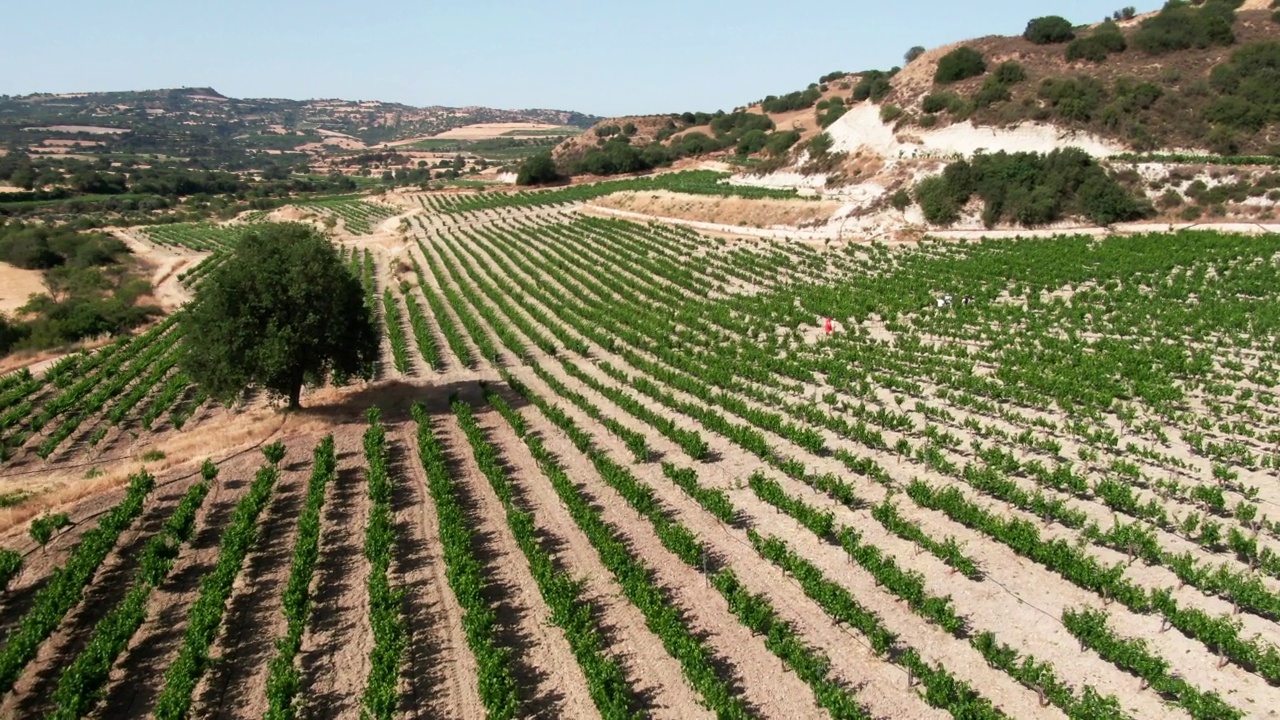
<point x="726" y="211"/>
<point x="16" y="285"/>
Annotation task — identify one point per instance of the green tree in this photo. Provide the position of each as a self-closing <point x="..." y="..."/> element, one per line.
<point x="538" y="169"/>
<point x="913" y="53"/>
<point x="1049" y="29"/>
<point x="959" y="64"/>
<point x="280" y="312"/>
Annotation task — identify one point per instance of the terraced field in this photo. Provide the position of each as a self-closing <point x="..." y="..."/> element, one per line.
<point x="619" y="470"/>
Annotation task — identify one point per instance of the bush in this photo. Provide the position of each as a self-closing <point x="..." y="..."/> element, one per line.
<point x="834" y="75"/>
<point x="833" y="113"/>
<point x="1181" y="26"/>
<point x="539" y="169"/>
<point x="874" y="85"/>
<point x="890" y="113"/>
<point x="1010" y="73"/>
<point x="797" y="100"/>
<point x="959" y="64"/>
<point x="913" y="53"/>
<point x="1223" y="141"/>
<point x="936" y="201"/>
<point x="752" y="141"/>
<point x="780" y="142"/>
<point x="1048" y="30"/>
<point x="937" y="102"/>
<point x="900" y="200"/>
<point x="819" y="145"/>
<point x="1106" y="40"/>
<point x="1074" y="98"/>
<point x="1249" y="84"/>
<point x="1170" y="199"/>
<point x="1027" y="189"/>
<point x="992" y="92"/>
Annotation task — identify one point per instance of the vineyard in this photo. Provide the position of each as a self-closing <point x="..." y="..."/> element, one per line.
<point x="619" y="470"/>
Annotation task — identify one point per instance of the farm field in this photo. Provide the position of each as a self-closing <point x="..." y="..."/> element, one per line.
<point x="613" y="469"/>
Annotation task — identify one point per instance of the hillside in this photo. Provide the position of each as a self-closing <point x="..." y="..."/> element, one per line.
<point x="1168" y="89"/>
<point x="1177" y="92"/>
<point x="200" y="122"/>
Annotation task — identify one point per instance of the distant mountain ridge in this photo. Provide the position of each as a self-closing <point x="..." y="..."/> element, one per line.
<point x="370" y="121"/>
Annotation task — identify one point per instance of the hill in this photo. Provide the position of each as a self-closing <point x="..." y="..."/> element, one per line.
<point x="1157" y="99"/>
<point x="201" y="122"/>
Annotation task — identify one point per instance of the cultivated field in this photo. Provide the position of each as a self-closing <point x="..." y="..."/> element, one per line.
<point x="619" y="470"/>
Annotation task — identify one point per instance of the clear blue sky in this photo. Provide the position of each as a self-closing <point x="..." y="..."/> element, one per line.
<point x="604" y="57"/>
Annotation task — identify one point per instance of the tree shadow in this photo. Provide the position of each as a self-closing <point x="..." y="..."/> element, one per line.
<point x="396" y="398"/>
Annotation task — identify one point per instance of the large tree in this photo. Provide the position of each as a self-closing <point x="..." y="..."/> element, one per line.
<point x="280" y="312"/>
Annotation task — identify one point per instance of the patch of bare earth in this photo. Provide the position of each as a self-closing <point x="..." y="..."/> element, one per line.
<point x="763" y="213"/>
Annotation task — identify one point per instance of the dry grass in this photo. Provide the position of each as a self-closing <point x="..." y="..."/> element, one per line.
<point x="224" y="435"/>
<point x="724" y="211"/>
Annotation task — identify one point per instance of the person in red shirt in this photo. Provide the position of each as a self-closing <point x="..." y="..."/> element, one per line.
<point x="828" y="326"/>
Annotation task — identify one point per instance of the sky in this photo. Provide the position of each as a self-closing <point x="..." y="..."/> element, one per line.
<point x="602" y="57"/>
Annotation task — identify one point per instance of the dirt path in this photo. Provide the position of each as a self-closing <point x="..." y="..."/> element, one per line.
<point x="334" y="657"/>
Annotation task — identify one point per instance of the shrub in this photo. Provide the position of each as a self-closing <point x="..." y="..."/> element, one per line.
<point x="889" y="113"/>
<point x="797" y="100"/>
<point x="1223" y="141"/>
<point x="1170" y="199"/>
<point x="913" y="53"/>
<point x="819" y="145"/>
<point x="938" y="101"/>
<point x="1028" y="189"/>
<point x="1010" y="73"/>
<point x="873" y="85"/>
<point x="752" y="141"/>
<point x="780" y="142"/>
<point x="1048" y="30"/>
<point x="833" y="75"/>
<point x="1249" y="84"/>
<point x="1074" y="98"/>
<point x="936" y="201"/>
<point x="1180" y="26"/>
<point x="959" y="64"/>
<point x="1106" y="40"/>
<point x="992" y="92"/>
<point x="539" y="169"/>
<point x="833" y="113"/>
<point x="1191" y="212"/>
<point x="900" y="200"/>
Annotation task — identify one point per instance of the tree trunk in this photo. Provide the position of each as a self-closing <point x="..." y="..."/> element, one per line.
<point x="294" y="395"/>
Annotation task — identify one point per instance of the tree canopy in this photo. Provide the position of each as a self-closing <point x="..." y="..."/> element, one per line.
<point x="280" y="312"/>
<point x="538" y="169"/>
